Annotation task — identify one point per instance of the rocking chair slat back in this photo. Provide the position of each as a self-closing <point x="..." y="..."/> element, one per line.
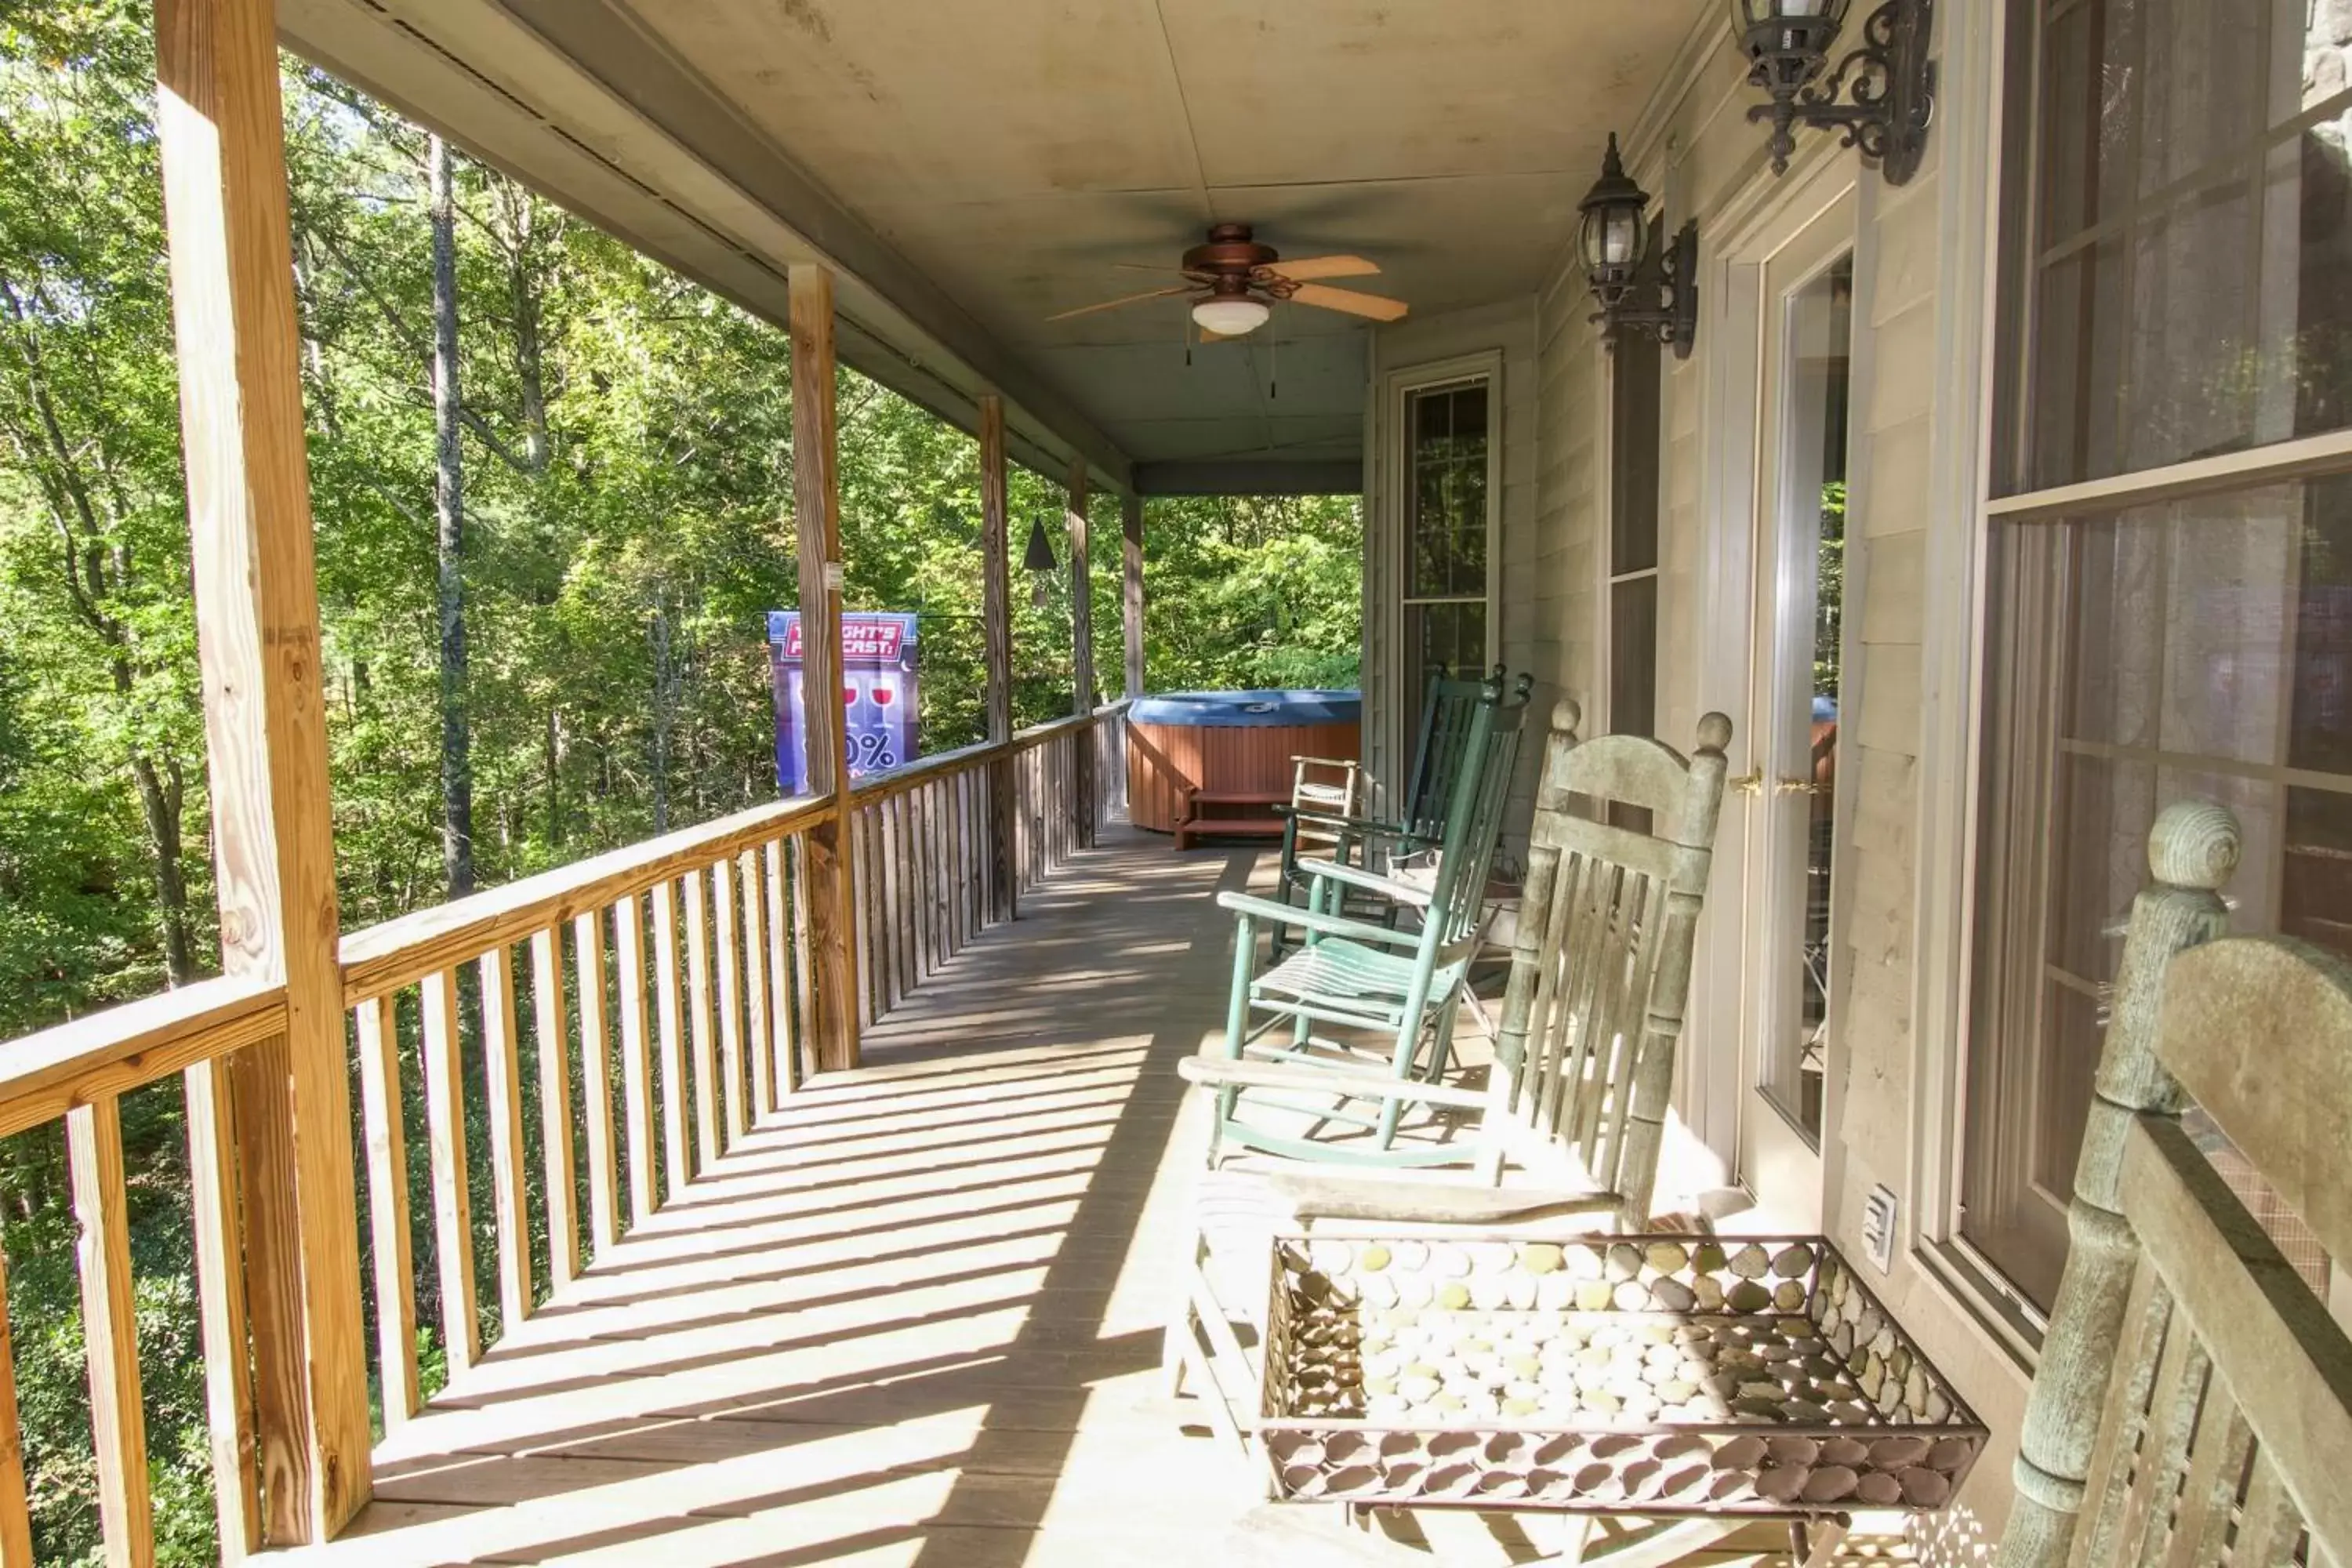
<point x="1481" y="793"/>
<point x="1602" y="958"/>
<point x="2194" y="1400"/>
<point x="1448" y="720"/>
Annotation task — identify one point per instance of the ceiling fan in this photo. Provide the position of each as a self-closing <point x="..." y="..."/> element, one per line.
<point x="1231" y="278"/>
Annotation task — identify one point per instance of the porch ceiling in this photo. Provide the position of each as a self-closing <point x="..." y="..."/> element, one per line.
<point x="974" y="168"/>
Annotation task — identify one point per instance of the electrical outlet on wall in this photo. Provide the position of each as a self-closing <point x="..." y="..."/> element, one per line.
<point x="1878" y="1219"/>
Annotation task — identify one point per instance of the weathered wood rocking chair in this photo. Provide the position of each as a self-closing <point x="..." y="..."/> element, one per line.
<point x="1392" y="987"/>
<point x="1570" y="1122"/>
<point x="2193" y="1405"/>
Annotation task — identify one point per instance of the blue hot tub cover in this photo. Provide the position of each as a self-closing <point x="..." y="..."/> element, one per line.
<point x="1247" y="710"/>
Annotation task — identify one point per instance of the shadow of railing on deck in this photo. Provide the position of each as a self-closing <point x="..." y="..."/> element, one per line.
<point x="929" y="1393"/>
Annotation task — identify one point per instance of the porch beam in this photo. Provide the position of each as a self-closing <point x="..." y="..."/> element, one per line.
<point x="222" y="136"/>
<point x="1082" y="646"/>
<point x="829" y="884"/>
<point x="996" y="613"/>
<point x="1131" y="529"/>
<point x="1251" y="476"/>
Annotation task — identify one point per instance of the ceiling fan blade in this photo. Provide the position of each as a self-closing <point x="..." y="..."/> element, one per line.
<point x="1308" y="267"/>
<point x="1353" y="303"/>
<point x="1127" y="299"/>
<point x="1145" y="267"/>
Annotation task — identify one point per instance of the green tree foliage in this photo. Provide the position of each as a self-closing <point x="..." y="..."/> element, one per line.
<point x="626" y="456"/>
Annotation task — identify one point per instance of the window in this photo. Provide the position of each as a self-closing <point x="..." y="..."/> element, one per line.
<point x="1634" y="447"/>
<point x="2179" y="285"/>
<point x="1446" y="524"/>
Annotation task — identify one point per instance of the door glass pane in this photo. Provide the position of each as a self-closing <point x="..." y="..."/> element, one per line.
<point x="1444" y="536"/>
<point x="2187" y="258"/>
<point x="1445" y="520"/>
<point x="1817" y="350"/>
<point x="2199" y="648"/>
<point x="1442" y="639"/>
<point x="1634" y="367"/>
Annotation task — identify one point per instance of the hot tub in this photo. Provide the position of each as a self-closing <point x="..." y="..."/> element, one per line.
<point x="1235" y="744"/>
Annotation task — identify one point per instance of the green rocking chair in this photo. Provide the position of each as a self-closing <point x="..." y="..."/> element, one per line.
<point x="1392" y="984"/>
<point x="1381" y="844"/>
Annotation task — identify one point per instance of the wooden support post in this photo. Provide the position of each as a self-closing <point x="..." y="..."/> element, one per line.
<point x="996" y="610"/>
<point x="1131" y="528"/>
<point x="816" y="508"/>
<point x="1082" y="658"/>
<point x="222" y="135"/>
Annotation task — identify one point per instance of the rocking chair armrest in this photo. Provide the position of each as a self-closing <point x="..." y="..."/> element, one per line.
<point x="1389" y="887"/>
<point x="1215" y="1072"/>
<point x="1316" y="1195"/>
<point x="1355" y="827"/>
<point x="1328" y="925"/>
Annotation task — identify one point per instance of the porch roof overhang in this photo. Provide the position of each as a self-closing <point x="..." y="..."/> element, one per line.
<point x="967" y="171"/>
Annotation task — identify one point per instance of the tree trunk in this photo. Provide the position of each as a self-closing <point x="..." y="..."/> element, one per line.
<point x="554" y="781"/>
<point x="661" y="694"/>
<point x="449" y="509"/>
<point x="522" y="281"/>
<point x="159" y="801"/>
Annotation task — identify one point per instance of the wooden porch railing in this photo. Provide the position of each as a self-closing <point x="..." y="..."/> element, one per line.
<point x="657" y="994"/>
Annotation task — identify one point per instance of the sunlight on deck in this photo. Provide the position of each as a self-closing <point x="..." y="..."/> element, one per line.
<point x="915" y="1319"/>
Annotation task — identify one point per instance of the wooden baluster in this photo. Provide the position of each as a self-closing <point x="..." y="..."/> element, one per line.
<point x="902" y="896"/>
<point x="504" y="1071"/>
<point x="799" y="1063"/>
<point x="16" y="1517"/>
<point x="452" y="1212"/>
<point x="874" y="882"/>
<point x="387" y="1168"/>
<point x="562" y="1180"/>
<point x="886" y="913"/>
<point x="637" y="1057"/>
<point x="731" y="975"/>
<point x="596" y="1080"/>
<point x="759" y="961"/>
<point x="861" y="909"/>
<point x="706" y="1060"/>
<point x="788" y="975"/>
<point x="118" y="1425"/>
<point x="223" y="1321"/>
<point x="668" y="1008"/>
<point x="927" y="879"/>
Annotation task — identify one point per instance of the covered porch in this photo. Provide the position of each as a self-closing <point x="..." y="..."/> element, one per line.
<point x="808" y="1185"/>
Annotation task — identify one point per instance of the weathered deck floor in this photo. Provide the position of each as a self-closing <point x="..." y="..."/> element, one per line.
<point x="915" y="1321"/>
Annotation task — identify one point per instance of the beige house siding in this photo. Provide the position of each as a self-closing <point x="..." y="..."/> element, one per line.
<point x="1910" y="422"/>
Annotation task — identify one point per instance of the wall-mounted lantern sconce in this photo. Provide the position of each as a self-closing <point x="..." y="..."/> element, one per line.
<point x="1038" y="560"/>
<point x="1887" y="78"/>
<point x="1615" y="240"/>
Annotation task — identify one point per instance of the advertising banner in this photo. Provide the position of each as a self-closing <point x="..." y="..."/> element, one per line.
<point x="879" y="657"/>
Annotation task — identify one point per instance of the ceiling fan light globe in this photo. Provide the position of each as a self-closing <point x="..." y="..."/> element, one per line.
<point x="1230" y="317"/>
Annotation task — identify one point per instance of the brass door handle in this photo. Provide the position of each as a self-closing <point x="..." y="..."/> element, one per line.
<point x="1798" y="786"/>
<point x="1750" y="783"/>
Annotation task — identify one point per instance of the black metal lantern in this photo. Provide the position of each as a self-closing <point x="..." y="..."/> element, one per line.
<point x="1614" y="242"/>
<point x="1886" y="82"/>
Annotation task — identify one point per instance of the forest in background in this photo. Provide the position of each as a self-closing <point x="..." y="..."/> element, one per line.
<point x="551" y="487"/>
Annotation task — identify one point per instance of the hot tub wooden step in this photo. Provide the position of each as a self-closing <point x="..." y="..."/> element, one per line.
<point x="1199" y="822"/>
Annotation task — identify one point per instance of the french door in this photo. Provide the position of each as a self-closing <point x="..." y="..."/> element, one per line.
<point x="1796" y="712"/>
